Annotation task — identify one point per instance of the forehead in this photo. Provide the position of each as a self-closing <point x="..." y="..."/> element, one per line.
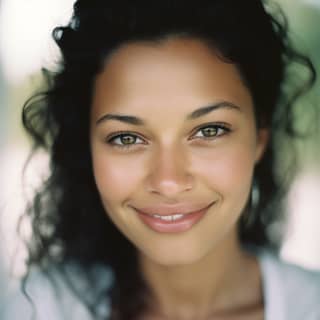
<point x="176" y="73"/>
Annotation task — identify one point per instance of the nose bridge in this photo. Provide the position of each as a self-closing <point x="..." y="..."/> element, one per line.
<point x="170" y="173"/>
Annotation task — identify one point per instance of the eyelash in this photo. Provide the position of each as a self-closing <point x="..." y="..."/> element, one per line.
<point x="217" y="126"/>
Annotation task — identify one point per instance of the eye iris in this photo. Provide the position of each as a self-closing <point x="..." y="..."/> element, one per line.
<point x="128" y="139"/>
<point x="209" y="132"/>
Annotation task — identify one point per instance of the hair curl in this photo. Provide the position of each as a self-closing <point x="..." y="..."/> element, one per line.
<point x="66" y="212"/>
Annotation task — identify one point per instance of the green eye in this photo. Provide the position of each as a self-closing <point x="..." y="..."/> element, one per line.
<point x="127" y="139"/>
<point x="209" y="131"/>
<point x="212" y="131"/>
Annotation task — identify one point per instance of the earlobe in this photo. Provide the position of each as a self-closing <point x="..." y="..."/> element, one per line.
<point x="262" y="142"/>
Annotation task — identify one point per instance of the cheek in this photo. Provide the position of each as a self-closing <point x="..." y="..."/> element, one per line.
<point x="228" y="171"/>
<point x="116" y="177"/>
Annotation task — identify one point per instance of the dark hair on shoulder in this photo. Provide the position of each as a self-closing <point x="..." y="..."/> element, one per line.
<point x="66" y="212"/>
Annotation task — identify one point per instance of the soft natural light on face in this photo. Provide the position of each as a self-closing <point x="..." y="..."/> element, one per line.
<point x="26" y="46"/>
<point x="25" y="35"/>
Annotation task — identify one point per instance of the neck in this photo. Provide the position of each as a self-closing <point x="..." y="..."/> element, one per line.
<point x="215" y="283"/>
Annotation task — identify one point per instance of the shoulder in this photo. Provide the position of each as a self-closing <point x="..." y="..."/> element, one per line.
<point x="290" y="290"/>
<point x="49" y="296"/>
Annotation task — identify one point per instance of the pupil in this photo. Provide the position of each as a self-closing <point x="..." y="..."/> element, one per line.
<point x="209" y="132"/>
<point x="127" y="139"/>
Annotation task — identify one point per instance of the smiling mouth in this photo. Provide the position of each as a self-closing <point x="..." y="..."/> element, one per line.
<point x="174" y="222"/>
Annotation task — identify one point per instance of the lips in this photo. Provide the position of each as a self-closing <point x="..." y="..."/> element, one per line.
<point x="166" y="210"/>
<point x="165" y="219"/>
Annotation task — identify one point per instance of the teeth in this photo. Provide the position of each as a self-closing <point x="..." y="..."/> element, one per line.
<point x="177" y="216"/>
<point x="169" y="218"/>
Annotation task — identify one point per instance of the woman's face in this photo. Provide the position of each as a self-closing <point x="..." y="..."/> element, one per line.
<point x="174" y="145"/>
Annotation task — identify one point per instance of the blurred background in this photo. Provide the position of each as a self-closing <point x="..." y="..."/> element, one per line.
<point x="26" y="47"/>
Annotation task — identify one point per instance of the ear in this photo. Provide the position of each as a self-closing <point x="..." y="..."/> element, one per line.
<point x="262" y="142"/>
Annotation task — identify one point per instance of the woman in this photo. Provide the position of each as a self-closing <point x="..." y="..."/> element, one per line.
<point x="161" y="124"/>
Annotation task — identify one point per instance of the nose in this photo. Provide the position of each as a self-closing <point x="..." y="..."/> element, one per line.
<point x="169" y="175"/>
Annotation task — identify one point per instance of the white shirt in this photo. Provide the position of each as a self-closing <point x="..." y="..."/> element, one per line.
<point x="290" y="293"/>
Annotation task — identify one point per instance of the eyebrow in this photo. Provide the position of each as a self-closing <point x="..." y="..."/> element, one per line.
<point x="193" y="115"/>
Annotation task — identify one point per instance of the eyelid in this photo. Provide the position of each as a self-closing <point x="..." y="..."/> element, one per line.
<point x="220" y="125"/>
<point x="109" y="139"/>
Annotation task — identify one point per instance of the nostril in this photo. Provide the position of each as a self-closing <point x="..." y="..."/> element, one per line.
<point x="169" y="173"/>
<point x="170" y="187"/>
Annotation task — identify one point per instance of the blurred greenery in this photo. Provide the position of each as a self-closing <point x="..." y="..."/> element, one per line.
<point x="304" y="23"/>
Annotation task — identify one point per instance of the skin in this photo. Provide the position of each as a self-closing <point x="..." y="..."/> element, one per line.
<point x="201" y="273"/>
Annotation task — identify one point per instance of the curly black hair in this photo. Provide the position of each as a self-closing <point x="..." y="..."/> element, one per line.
<point x="69" y="222"/>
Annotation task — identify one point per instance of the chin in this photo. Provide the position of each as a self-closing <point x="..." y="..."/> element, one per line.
<point x="174" y="260"/>
<point x="171" y="256"/>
